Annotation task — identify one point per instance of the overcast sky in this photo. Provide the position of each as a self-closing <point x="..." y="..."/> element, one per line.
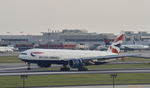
<point x="101" y="16"/>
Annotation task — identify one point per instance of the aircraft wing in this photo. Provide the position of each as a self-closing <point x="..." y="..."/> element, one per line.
<point x="108" y="57"/>
<point x="111" y="56"/>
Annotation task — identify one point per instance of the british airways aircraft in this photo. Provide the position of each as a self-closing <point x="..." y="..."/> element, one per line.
<point x="72" y="58"/>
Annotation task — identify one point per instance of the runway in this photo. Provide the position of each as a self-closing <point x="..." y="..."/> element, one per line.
<point x="102" y="86"/>
<point x="14" y="66"/>
<point x="19" y="66"/>
<point x="20" y="69"/>
<point x="108" y="71"/>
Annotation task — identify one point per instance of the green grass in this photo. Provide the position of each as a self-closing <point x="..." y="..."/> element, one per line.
<point x="10" y="59"/>
<point x="76" y="79"/>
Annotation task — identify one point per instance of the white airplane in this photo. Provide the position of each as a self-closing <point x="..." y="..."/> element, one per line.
<point x="72" y="58"/>
<point x="135" y="46"/>
<point x="4" y="49"/>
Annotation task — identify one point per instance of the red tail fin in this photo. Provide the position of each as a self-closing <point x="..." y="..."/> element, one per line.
<point x="115" y="46"/>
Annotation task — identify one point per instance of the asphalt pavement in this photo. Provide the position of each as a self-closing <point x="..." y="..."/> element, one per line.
<point x="102" y="86"/>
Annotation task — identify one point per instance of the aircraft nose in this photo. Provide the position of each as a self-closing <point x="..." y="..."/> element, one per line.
<point x="22" y="55"/>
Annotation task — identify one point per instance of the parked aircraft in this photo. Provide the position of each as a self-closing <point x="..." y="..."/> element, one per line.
<point x="4" y="49"/>
<point x="72" y="58"/>
<point x="126" y="47"/>
<point x="135" y="46"/>
<point x="104" y="47"/>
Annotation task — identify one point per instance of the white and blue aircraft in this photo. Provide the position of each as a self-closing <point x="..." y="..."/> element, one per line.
<point x="72" y="58"/>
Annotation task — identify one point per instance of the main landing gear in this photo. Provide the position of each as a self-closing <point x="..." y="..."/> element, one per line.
<point x="82" y="69"/>
<point x="65" y="68"/>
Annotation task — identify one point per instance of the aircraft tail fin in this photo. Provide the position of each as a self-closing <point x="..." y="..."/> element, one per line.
<point x="115" y="46"/>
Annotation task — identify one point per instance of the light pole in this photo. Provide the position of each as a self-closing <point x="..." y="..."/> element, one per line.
<point x="23" y="78"/>
<point x="113" y="76"/>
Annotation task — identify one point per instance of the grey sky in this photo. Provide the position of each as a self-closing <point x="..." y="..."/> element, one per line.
<point x="35" y="16"/>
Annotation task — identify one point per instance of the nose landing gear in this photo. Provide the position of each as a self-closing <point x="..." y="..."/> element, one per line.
<point x="28" y="68"/>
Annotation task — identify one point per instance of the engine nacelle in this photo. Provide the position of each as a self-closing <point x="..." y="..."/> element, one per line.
<point x="44" y="65"/>
<point x="76" y="63"/>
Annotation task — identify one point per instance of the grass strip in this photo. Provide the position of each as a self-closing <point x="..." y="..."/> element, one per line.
<point x="75" y="79"/>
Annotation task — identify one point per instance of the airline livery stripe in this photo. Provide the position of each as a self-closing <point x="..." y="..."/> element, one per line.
<point x="37" y="52"/>
<point x="120" y="38"/>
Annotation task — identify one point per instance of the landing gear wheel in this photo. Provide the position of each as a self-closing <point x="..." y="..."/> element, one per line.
<point x="82" y="69"/>
<point x="29" y="68"/>
<point x="64" y="69"/>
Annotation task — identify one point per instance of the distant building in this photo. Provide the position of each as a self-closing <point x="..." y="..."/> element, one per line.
<point x="70" y="39"/>
<point x="77" y="36"/>
<point x="22" y="42"/>
<point x="141" y="37"/>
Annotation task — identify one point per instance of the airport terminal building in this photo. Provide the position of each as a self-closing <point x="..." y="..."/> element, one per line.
<point x="69" y="39"/>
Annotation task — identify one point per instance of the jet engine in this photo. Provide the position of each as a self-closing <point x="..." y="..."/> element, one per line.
<point x="76" y="63"/>
<point x="44" y="65"/>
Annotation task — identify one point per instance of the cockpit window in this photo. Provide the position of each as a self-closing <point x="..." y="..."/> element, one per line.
<point x="23" y="53"/>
